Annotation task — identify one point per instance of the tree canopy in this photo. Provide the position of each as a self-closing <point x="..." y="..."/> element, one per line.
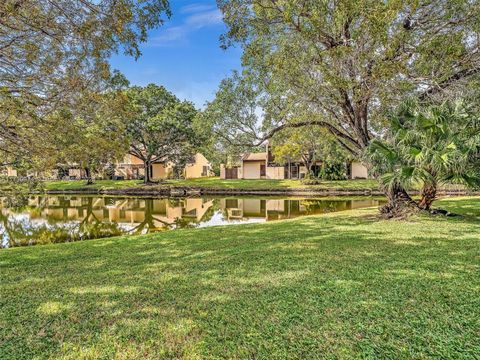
<point x="346" y="62"/>
<point x="161" y="127"/>
<point x="93" y="132"/>
<point x="309" y="145"/>
<point x="54" y="50"/>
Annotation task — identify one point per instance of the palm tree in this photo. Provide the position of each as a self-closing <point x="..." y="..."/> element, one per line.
<point x="430" y="146"/>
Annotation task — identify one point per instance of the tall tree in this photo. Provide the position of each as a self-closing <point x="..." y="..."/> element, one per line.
<point x="349" y="60"/>
<point x="92" y="134"/>
<point x="161" y="127"/>
<point x="231" y="121"/>
<point x="346" y="62"/>
<point x="52" y="50"/>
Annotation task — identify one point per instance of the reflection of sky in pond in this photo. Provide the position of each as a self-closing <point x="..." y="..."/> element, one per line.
<point x="218" y="219"/>
<point x="53" y="219"/>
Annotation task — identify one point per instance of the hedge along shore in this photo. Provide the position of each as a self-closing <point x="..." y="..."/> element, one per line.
<point x="181" y="191"/>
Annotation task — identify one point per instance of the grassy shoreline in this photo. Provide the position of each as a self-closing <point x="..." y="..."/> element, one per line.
<point x="339" y="285"/>
<point x="210" y="183"/>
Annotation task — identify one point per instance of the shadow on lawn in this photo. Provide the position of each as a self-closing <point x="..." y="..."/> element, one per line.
<point x="311" y="286"/>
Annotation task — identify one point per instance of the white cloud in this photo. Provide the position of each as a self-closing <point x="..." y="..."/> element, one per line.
<point x="204" y="18"/>
<point x="195" y="8"/>
<point x="199" y="16"/>
<point x="169" y="36"/>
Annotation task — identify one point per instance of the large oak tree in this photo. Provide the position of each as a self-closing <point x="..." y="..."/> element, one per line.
<point x="343" y="63"/>
<point x="161" y="128"/>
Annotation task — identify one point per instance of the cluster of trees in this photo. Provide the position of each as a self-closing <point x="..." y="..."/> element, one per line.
<point x="343" y="66"/>
<point x="61" y="104"/>
<point x="51" y="54"/>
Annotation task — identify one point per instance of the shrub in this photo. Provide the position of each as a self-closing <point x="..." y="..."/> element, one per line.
<point x="333" y="171"/>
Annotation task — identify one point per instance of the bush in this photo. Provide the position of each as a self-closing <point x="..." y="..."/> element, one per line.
<point x="330" y="171"/>
<point x="333" y="171"/>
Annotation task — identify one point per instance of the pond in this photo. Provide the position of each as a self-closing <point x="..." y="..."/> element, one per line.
<point x="54" y="219"/>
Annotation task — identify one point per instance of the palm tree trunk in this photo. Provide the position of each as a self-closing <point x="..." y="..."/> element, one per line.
<point x="399" y="204"/>
<point x="429" y="194"/>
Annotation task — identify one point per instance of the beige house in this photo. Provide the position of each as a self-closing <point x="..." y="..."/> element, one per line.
<point x="132" y="168"/>
<point x="10" y="172"/>
<point x="357" y="170"/>
<point x="262" y="165"/>
<point x="200" y="167"/>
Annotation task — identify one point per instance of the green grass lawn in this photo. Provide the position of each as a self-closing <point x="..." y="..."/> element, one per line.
<point x="215" y="182"/>
<point x="99" y="184"/>
<point x="343" y="285"/>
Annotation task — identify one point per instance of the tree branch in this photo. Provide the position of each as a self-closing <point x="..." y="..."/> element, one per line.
<point x="448" y="82"/>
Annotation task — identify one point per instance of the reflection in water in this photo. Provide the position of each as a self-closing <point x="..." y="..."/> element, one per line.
<point x="54" y="219"/>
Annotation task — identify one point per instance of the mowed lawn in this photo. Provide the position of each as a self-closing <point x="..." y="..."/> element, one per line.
<point x="343" y="285"/>
<point x="213" y="182"/>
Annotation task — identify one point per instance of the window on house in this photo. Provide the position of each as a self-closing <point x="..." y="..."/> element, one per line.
<point x="294" y="172"/>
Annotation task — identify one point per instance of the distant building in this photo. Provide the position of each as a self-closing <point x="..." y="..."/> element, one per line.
<point x="262" y="165"/>
<point x="8" y="171"/>
<point x="356" y="170"/>
<point x="132" y="167"/>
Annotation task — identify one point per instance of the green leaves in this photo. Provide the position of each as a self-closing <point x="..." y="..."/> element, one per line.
<point x="432" y="145"/>
<point x="52" y="52"/>
<point x="160" y="127"/>
<point x="352" y="61"/>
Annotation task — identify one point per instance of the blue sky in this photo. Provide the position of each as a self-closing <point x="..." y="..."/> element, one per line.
<point x="184" y="54"/>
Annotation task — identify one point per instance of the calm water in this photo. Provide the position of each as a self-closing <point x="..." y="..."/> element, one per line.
<point x="53" y="219"/>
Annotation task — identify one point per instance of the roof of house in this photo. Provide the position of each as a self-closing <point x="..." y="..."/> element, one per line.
<point x="254" y="156"/>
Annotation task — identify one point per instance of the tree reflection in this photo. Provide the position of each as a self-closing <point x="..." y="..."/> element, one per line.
<point x="53" y="219"/>
<point x="17" y="230"/>
<point x="325" y="206"/>
<point x="150" y="221"/>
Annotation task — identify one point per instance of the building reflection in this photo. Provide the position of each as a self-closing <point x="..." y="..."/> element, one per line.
<point x="137" y="213"/>
<point x="277" y="209"/>
<point x="53" y="219"/>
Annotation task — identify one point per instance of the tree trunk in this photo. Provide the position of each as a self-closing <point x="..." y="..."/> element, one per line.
<point x="147" y="178"/>
<point x="309" y="170"/>
<point x="88" y="174"/>
<point x="429" y="194"/>
<point x="308" y="163"/>
<point x="399" y="204"/>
